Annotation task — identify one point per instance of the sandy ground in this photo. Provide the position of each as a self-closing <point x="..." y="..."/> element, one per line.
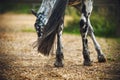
<point x="19" y="61"/>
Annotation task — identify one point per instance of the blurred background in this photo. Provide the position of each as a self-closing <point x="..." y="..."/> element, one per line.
<point x="19" y="61"/>
<point x="105" y="17"/>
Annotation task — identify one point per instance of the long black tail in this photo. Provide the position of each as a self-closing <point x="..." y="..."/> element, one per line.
<point x="45" y="44"/>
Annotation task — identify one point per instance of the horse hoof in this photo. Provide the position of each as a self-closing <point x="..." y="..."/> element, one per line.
<point x="87" y="63"/>
<point x="58" y="64"/>
<point x="101" y="58"/>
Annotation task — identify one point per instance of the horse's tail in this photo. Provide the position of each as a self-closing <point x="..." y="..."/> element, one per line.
<point x="45" y="45"/>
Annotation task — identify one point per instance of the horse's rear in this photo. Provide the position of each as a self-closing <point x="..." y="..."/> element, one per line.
<point x="50" y="12"/>
<point x="50" y="22"/>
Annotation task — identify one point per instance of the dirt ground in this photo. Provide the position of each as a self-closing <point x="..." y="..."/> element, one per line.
<point x="19" y="61"/>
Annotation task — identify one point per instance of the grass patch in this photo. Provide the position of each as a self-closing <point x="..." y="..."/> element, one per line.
<point x="15" y="8"/>
<point x="72" y="28"/>
<point x="28" y="30"/>
<point x="102" y="25"/>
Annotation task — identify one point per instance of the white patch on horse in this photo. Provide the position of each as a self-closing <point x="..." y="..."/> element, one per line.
<point x="46" y="10"/>
<point x="89" y="6"/>
<point x="84" y="19"/>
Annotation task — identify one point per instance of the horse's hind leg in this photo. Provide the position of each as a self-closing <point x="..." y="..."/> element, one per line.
<point x="59" y="52"/>
<point x="101" y="56"/>
<point x="84" y="31"/>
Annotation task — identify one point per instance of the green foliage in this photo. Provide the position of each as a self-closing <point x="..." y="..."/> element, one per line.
<point x="71" y="11"/>
<point x="15" y="8"/>
<point x="28" y="30"/>
<point x="103" y="26"/>
<point x="72" y="27"/>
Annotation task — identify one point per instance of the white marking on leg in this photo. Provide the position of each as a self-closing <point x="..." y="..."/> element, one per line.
<point x="89" y="6"/>
<point x="60" y="34"/>
<point x="96" y="44"/>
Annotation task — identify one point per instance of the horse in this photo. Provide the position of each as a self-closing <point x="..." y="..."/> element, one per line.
<point x="50" y="23"/>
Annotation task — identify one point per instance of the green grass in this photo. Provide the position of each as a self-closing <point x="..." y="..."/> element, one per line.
<point x="28" y="30"/>
<point x="15" y="8"/>
<point x="72" y="28"/>
<point x="102" y="27"/>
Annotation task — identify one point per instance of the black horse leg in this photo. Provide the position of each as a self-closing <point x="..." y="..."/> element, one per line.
<point x="84" y="31"/>
<point x="101" y="56"/>
<point x="59" y="52"/>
